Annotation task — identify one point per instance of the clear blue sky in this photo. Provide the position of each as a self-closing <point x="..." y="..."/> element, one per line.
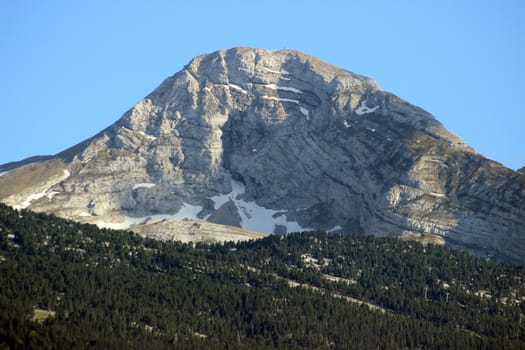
<point x="68" y="69"/>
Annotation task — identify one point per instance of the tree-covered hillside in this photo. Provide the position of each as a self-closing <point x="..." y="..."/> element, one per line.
<point x="69" y="285"/>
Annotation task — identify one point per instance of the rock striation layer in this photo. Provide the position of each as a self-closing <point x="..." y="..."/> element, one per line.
<point x="279" y="141"/>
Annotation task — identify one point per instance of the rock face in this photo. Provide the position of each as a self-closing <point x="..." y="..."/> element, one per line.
<point x="278" y="141"/>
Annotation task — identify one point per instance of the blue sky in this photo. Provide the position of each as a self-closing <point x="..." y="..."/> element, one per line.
<point x="68" y="69"/>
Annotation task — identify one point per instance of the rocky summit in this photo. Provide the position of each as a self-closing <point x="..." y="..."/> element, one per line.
<point x="274" y="142"/>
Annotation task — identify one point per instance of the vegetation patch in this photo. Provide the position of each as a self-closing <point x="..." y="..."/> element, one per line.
<point x="109" y="289"/>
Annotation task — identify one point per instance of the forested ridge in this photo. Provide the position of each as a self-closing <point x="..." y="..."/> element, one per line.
<point x="70" y="285"/>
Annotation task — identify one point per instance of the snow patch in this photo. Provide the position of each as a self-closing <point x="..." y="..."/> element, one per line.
<point x="435" y="194"/>
<point x="124" y="224"/>
<point x="305" y="112"/>
<point x="280" y="99"/>
<point x="51" y="195"/>
<point x="283" y="88"/>
<point x="149" y="137"/>
<point x="4" y="173"/>
<point x="271" y="70"/>
<point x="238" y="88"/>
<point x="335" y="228"/>
<point x="176" y="133"/>
<point x="253" y="216"/>
<point x="282" y="71"/>
<point x="36" y="196"/>
<point x="346" y="124"/>
<point x="84" y="214"/>
<point x="143" y="185"/>
<point x="187" y="211"/>
<point x="363" y="109"/>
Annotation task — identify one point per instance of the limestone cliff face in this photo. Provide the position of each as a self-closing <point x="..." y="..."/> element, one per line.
<point x="278" y="141"/>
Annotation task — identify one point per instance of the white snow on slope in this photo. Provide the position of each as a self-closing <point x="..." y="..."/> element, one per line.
<point x="143" y="185"/>
<point x="280" y="99"/>
<point x="238" y="88"/>
<point x="187" y="211"/>
<point x="51" y="194"/>
<point x="363" y="109"/>
<point x="36" y="196"/>
<point x="282" y="71"/>
<point x="283" y="88"/>
<point x="435" y="194"/>
<point x="253" y="216"/>
<point x="149" y="137"/>
<point x="347" y="125"/>
<point x="126" y="223"/>
<point x="305" y="112"/>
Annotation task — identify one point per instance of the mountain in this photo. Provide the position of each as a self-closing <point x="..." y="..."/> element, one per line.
<point x="275" y="142"/>
<point x="522" y="170"/>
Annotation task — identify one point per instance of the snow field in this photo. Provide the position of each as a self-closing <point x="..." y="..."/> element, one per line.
<point x="363" y="109"/>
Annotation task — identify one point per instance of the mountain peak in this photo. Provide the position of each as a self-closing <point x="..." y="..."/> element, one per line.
<point x="275" y="142"/>
<point x="242" y="64"/>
